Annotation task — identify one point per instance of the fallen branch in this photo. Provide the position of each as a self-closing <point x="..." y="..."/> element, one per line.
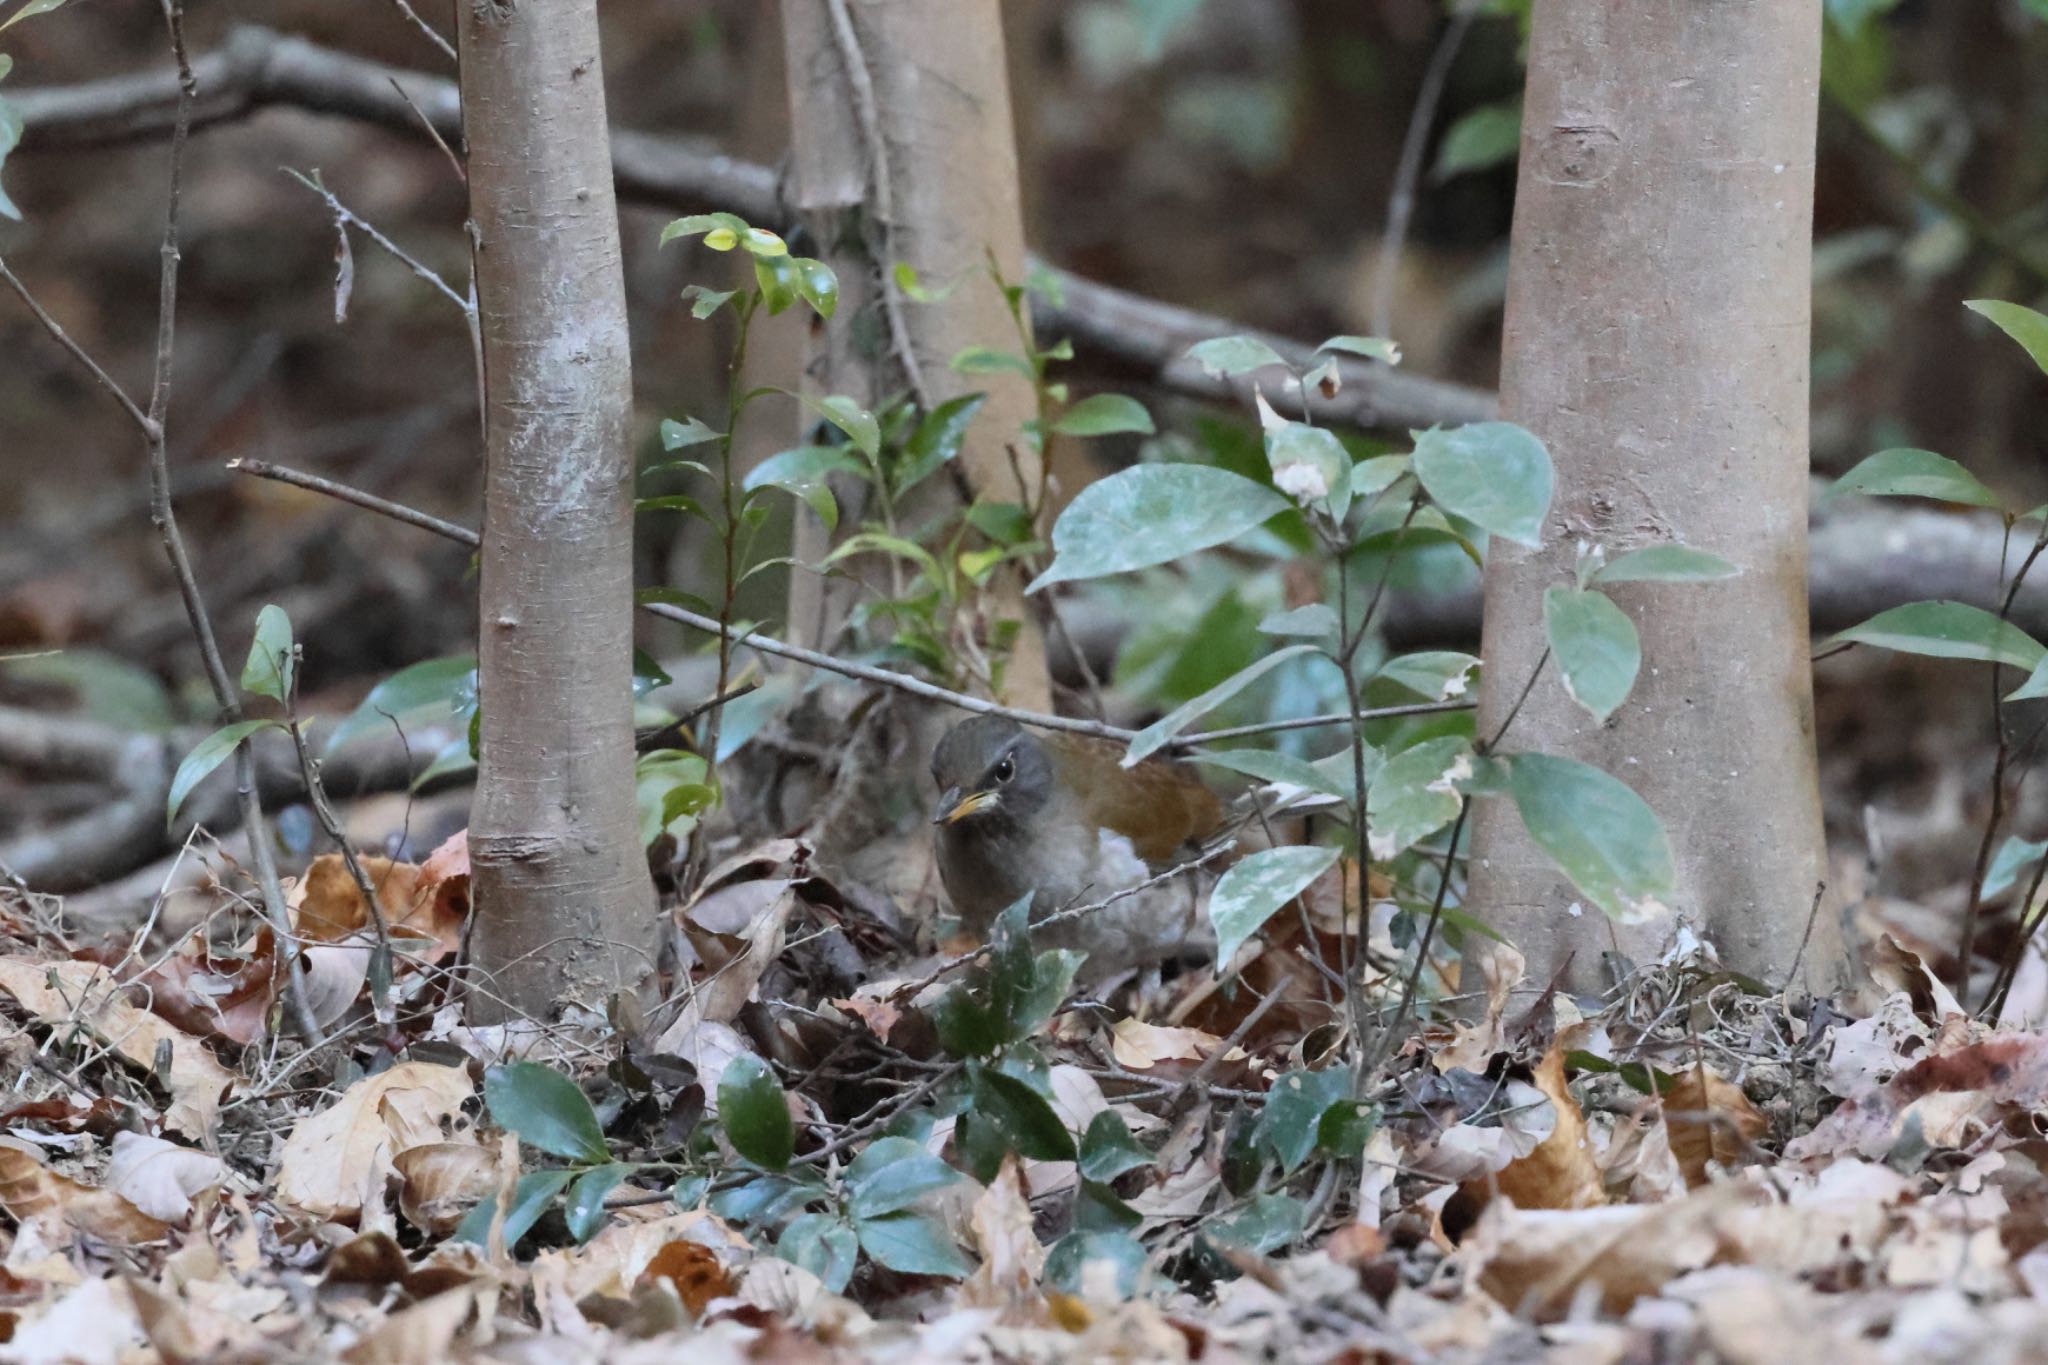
<point x="257" y="68"/>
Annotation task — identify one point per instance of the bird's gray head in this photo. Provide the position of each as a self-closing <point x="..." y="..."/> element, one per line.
<point x="991" y="774"/>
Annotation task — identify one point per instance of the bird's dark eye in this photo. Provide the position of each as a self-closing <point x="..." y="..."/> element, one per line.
<point x="1006" y="769"/>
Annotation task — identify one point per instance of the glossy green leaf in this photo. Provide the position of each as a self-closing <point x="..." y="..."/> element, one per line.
<point x="1105" y="414"/>
<point x="1416" y="794"/>
<point x="1481" y="139"/>
<point x="1159" y="733"/>
<point x="1665" y="564"/>
<point x="1098" y="1209"/>
<point x="1108" y="1149"/>
<point x="1291" y="1122"/>
<point x="545" y="1109"/>
<point x="1908" y="473"/>
<point x="1310" y="465"/>
<point x="1494" y="474"/>
<point x="688" y="432"/>
<point x="1598" y="832"/>
<point x="1151" y="513"/>
<point x="1257" y="886"/>
<point x="765" y="1200"/>
<point x="705" y="302"/>
<point x="1266" y="1223"/>
<point x="29" y="9"/>
<point x="1436" y="674"/>
<point x="893" y="1173"/>
<point x="911" y="1244"/>
<point x="1378" y="474"/>
<point x="803" y="472"/>
<point x="1024" y="1118"/>
<point x="988" y="360"/>
<point x="1026" y="986"/>
<point x="584" y="1208"/>
<point x="822" y="1244"/>
<point x="2024" y="325"/>
<point x="850" y="417"/>
<point x="817" y="286"/>
<point x="1225" y="357"/>
<point x="1595" y="645"/>
<point x="2034" y="687"/>
<point x="777" y="278"/>
<point x="207" y="755"/>
<point x="268" y="671"/>
<point x="938" y="439"/>
<point x="755" y="1113"/>
<point x="1349" y="1124"/>
<point x="1948" y="630"/>
<point x="530" y="1199"/>
<point x="704" y="224"/>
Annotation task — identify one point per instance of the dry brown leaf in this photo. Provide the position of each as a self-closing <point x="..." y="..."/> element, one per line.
<point x="1562" y="1172"/>
<point x="84" y="994"/>
<point x="429" y="901"/>
<point x="423" y="1334"/>
<point x="94" y="1324"/>
<point x="161" y="1177"/>
<point x="211" y="997"/>
<point x="61" y="1208"/>
<point x="694" y="1271"/>
<point x="1139" y="1046"/>
<point x="335" y="1162"/>
<point x="1012" y="1257"/>
<point x="1710" y="1121"/>
<point x="439" y="1182"/>
<point x="1638" y="1167"/>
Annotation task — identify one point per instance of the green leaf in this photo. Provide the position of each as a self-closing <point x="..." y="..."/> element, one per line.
<point x="1908" y="473"/>
<point x="1481" y="139"/>
<point x="893" y="1173"/>
<point x="911" y="1244"/>
<point x="2035" y="686"/>
<point x="817" y="286"/>
<point x="530" y="1199"/>
<point x="803" y="472"/>
<point x="1312" y="622"/>
<point x="1948" y="630"/>
<point x="1267" y="1223"/>
<point x="1416" y="794"/>
<point x="268" y="672"/>
<point x="1257" y="886"/>
<point x="1105" y="414"/>
<point x="10" y="138"/>
<point x="1151" y="513"/>
<point x="1098" y="1209"/>
<point x="1495" y="474"/>
<point x="584" y="1209"/>
<point x="105" y="687"/>
<point x="938" y="439"/>
<point x="1665" y="564"/>
<point x="822" y="1244"/>
<point x="2024" y="325"/>
<point x="1270" y="765"/>
<point x="672" y="502"/>
<point x="1598" y="832"/>
<point x="648" y="674"/>
<point x="1291" y="1122"/>
<point x="965" y="1022"/>
<point x="1596" y="647"/>
<point x="207" y="755"/>
<point x="1225" y="357"/>
<point x="1309" y="465"/>
<point x="988" y="360"/>
<point x="1066" y="1263"/>
<point x="1372" y="348"/>
<point x="755" y="1114"/>
<point x="1108" y="1149"/>
<point x="1349" y="1124"/>
<point x="850" y="417"/>
<point x="764" y="1200"/>
<point x="688" y="432"/>
<point x="29" y="10"/>
<point x="545" y="1109"/>
<point x="1024" y="1118"/>
<point x="1159" y="733"/>
<point x="706" y="301"/>
<point x="703" y="224"/>
<point x="1378" y="474"/>
<point x="778" y="279"/>
<point x="1438" y="674"/>
<point x="1026" y="987"/>
<point x="2016" y="857"/>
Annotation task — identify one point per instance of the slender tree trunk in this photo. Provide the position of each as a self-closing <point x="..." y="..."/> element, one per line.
<point x="904" y="151"/>
<point x="564" y="903"/>
<point x="1656" y="339"/>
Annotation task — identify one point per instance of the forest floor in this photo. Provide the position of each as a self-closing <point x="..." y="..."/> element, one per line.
<point x="1697" y="1169"/>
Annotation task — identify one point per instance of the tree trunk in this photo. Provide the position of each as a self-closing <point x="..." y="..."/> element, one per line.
<point x="563" y="900"/>
<point x="1656" y="339"/>
<point x="903" y="151"/>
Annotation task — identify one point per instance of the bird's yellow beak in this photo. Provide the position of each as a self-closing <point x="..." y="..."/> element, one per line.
<point x="953" y="807"/>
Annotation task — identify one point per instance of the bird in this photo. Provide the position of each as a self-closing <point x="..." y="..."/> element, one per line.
<point x="1055" y="816"/>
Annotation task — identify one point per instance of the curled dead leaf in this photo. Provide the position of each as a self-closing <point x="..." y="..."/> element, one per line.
<point x="439" y="1182"/>
<point x="336" y="1161"/>
<point x="1711" y="1121"/>
<point x="62" y="1208"/>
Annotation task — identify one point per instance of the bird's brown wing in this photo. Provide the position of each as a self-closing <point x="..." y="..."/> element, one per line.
<point x="1159" y="805"/>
